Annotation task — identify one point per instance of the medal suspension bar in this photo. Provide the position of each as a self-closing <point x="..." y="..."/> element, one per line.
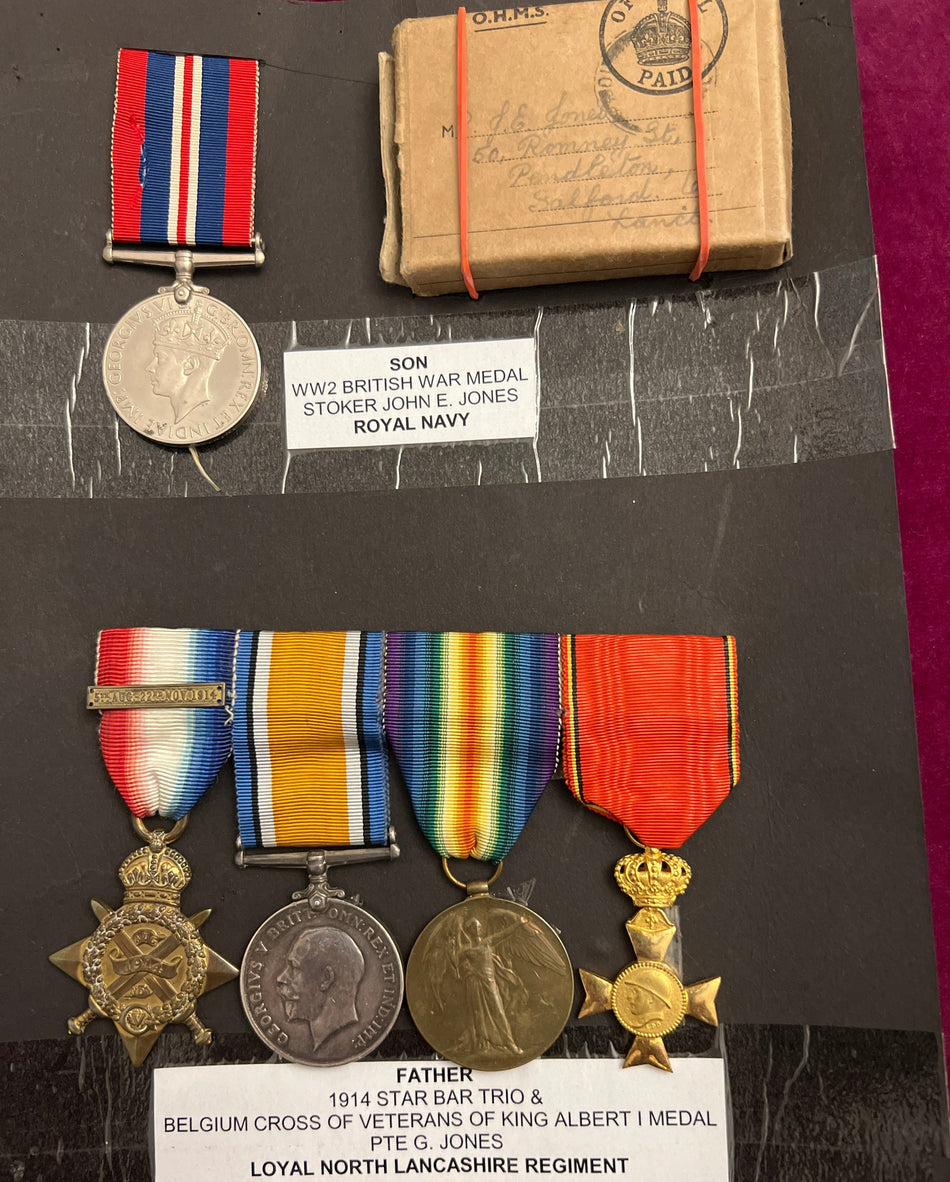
<point x="185" y="261"/>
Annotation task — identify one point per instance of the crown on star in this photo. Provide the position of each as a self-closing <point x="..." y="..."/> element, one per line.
<point x="152" y="875"/>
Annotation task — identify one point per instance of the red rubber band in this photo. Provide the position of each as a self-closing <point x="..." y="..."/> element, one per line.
<point x="702" y="187"/>
<point x="461" y="137"/>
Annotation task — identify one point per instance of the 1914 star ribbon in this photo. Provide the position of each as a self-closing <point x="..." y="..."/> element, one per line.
<point x="165" y="733"/>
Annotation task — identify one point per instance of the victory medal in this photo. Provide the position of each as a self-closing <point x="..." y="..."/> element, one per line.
<point x="182" y="368"/>
<point x="650" y="740"/>
<point x="473" y="721"/>
<point x="164" y="739"/>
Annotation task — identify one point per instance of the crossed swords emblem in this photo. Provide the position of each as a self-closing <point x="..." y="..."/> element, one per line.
<point x="153" y="969"/>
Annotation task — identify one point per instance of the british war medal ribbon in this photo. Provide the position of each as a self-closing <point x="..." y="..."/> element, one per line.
<point x="321" y="980"/>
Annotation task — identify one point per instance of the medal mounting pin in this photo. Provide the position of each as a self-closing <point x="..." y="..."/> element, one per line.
<point x="317" y="863"/>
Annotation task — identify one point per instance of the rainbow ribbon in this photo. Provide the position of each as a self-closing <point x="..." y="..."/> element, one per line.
<point x="163" y="761"/>
<point x="473" y="721"/>
<point x="310" y="762"/>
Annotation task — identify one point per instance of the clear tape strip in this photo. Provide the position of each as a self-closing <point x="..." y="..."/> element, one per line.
<point x="726" y="377"/>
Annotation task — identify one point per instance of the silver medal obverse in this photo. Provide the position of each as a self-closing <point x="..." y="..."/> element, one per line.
<point x="182" y="374"/>
<point x="322" y="987"/>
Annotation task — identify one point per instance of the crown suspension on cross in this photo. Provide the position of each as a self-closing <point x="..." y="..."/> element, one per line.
<point x="652" y="878"/>
<point x="648" y="997"/>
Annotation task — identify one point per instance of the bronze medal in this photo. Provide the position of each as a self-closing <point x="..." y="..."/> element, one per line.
<point x="489" y="983"/>
<point x="146" y="964"/>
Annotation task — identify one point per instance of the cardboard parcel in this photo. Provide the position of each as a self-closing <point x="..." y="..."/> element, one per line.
<point x="582" y="156"/>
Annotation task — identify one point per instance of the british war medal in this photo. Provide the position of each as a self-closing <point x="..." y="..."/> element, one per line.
<point x="651" y="741"/>
<point x="473" y="722"/>
<point x="321" y="980"/>
<point x="181" y="367"/>
<point x="165" y="733"/>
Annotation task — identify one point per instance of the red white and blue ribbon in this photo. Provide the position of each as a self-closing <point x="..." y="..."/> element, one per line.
<point x="184" y="139"/>
<point x="310" y="762"/>
<point x="163" y="761"/>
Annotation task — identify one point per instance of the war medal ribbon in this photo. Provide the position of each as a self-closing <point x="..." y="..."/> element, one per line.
<point x="651" y="740"/>
<point x="182" y="368"/>
<point x="473" y="722"/>
<point x="165" y="733"/>
<point x="321" y="980"/>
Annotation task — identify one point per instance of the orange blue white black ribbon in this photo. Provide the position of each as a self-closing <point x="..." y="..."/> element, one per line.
<point x="310" y="762"/>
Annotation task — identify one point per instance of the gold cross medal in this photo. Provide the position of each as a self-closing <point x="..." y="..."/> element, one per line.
<point x="650" y="741"/>
<point x="165" y="733"/>
<point x="648" y="998"/>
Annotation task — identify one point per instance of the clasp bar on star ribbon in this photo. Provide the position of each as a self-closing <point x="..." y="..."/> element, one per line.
<point x="180" y="696"/>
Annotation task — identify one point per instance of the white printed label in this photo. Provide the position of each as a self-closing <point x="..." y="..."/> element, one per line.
<point x="456" y="392"/>
<point x="409" y="1119"/>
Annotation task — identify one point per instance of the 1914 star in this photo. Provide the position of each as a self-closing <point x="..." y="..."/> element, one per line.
<point x="146" y="965"/>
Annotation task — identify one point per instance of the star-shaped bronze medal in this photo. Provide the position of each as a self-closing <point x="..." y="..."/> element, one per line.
<point x="146" y="965"/>
<point x="647" y="997"/>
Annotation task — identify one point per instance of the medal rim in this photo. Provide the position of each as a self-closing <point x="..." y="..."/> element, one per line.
<point x="483" y="900"/>
<point x="397" y="961"/>
<point x="183" y="444"/>
<point x="642" y="968"/>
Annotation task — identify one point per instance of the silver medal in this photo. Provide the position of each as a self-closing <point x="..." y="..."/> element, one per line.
<point x="181" y="367"/>
<point x="321" y="980"/>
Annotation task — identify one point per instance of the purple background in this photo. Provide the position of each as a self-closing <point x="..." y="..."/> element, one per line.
<point x="902" y="55"/>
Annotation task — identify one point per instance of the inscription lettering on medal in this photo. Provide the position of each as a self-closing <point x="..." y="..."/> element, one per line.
<point x="322" y="986"/>
<point x="136" y="697"/>
<point x="181" y="374"/>
<point x="446" y="392"/>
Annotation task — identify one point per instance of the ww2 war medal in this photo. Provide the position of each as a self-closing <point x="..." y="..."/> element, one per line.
<point x="321" y="980"/>
<point x="181" y="367"/>
<point x="165" y="734"/>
